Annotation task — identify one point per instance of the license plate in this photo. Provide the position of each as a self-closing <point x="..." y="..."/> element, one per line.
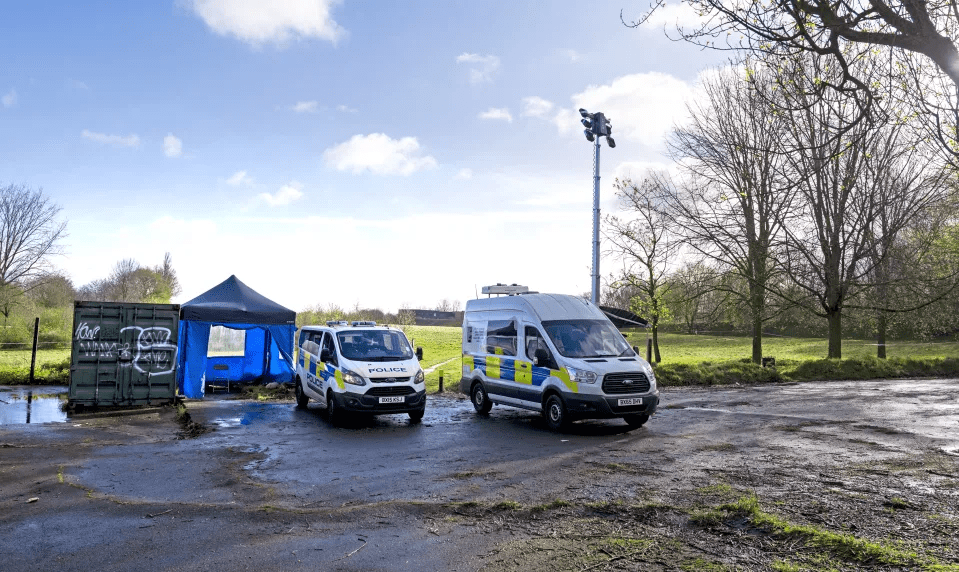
<point x="397" y="399"/>
<point x="630" y="401"/>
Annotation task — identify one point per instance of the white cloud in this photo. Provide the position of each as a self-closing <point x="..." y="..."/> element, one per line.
<point x="239" y="178"/>
<point x="305" y="107"/>
<point x="574" y="56"/>
<point x="115" y="140"/>
<point x="464" y="174"/>
<point x="172" y="145"/>
<point x="288" y="193"/>
<point x="672" y="15"/>
<point x="277" y="21"/>
<point x="482" y="67"/>
<point x="641" y="107"/>
<point x="345" y="109"/>
<point x="534" y="106"/>
<point x="378" y="154"/>
<point x="10" y="99"/>
<point x="497" y="114"/>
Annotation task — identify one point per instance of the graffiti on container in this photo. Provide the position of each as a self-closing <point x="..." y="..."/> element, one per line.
<point x="151" y="351"/>
<point x="85" y="332"/>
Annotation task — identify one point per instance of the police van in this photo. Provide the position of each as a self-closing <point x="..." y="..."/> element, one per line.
<point x="552" y="353"/>
<point x="359" y="367"/>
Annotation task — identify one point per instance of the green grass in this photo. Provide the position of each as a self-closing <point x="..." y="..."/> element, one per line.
<point x="838" y="545"/>
<point x="52" y="367"/>
<point x="440" y="345"/>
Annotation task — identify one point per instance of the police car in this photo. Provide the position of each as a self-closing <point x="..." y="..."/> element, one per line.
<point x="359" y="367"/>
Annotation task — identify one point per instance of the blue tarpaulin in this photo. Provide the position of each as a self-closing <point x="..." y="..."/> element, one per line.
<point x="268" y="351"/>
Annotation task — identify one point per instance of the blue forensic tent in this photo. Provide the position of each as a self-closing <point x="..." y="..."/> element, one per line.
<point x="232" y="304"/>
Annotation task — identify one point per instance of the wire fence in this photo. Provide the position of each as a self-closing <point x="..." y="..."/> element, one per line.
<point x="29" y="345"/>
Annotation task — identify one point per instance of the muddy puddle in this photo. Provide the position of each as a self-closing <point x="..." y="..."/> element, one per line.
<point x="33" y="404"/>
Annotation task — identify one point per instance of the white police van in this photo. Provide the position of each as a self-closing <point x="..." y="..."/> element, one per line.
<point x="359" y="367"/>
<point x="553" y="353"/>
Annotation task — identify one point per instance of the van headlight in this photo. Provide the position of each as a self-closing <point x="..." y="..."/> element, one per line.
<point x="648" y="370"/>
<point x="420" y="377"/>
<point x="353" y="378"/>
<point x="581" y="375"/>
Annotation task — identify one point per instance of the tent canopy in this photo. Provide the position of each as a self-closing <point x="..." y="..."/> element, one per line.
<point x="232" y="301"/>
<point x="624" y="318"/>
<point x="268" y="351"/>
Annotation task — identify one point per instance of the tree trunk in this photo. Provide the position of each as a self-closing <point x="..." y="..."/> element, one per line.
<point x="835" y="333"/>
<point x="881" y="336"/>
<point x="757" y="340"/>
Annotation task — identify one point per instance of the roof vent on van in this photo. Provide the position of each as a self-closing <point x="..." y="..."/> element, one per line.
<point x="503" y="289"/>
<point x="364" y="323"/>
<point x="333" y="323"/>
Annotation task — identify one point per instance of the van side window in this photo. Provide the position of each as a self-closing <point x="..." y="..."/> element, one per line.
<point x="501" y="338"/>
<point x="535" y="341"/>
<point x="327" y="347"/>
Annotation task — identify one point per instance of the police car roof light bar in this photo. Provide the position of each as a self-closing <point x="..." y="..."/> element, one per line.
<point x="332" y="323"/>
<point x="364" y="323"/>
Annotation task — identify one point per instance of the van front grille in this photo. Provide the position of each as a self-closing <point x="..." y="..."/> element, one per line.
<point x="390" y="379"/>
<point x="625" y="382"/>
<point x="390" y="391"/>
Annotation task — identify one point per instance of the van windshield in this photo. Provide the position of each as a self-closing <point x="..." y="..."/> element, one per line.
<point x="587" y="338"/>
<point x="374" y="345"/>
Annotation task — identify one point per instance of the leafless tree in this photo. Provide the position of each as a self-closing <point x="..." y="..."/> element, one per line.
<point x="916" y="41"/>
<point x="859" y="192"/>
<point x="732" y="200"/>
<point x="30" y="236"/>
<point x="646" y="246"/>
<point x="447" y="305"/>
<point x="697" y="295"/>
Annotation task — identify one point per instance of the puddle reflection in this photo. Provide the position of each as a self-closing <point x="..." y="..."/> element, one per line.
<point x="32" y="404"/>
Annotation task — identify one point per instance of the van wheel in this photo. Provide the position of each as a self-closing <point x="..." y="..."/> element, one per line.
<point x="636" y="421"/>
<point x="333" y="414"/>
<point x="480" y="399"/>
<point x="302" y="399"/>
<point x="417" y="416"/>
<point x="555" y="413"/>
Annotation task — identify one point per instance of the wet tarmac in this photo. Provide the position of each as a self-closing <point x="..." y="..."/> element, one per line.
<point x="272" y="454"/>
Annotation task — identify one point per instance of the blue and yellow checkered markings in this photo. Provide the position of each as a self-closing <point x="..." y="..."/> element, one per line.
<point x="516" y="370"/>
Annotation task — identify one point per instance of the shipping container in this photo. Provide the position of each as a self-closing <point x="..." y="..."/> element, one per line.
<point x="123" y="354"/>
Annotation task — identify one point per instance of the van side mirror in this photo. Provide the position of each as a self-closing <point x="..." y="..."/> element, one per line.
<point x="540" y="356"/>
<point x="419" y="353"/>
<point x="636" y="350"/>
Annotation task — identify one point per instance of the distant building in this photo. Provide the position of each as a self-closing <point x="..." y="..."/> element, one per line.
<point x="437" y="318"/>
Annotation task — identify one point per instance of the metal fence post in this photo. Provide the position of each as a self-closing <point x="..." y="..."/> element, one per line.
<point x="33" y="358"/>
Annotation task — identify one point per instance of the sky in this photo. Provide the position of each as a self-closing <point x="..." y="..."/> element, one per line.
<point x="337" y="152"/>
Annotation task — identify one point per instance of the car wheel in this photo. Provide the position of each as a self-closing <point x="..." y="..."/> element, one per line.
<point x="302" y="399"/>
<point x="636" y="421"/>
<point x="480" y="399"/>
<point x="555" y="413"/>
<point x="333" y="414"/>
<point x="417" y="416"/>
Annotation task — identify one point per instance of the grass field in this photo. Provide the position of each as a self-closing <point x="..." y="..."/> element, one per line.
<point x="687" y="359"/>
<point x="52" y="367"/>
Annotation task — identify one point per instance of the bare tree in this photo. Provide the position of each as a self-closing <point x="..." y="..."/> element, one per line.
<point x="697" y="295"/>
<point x="733" y="199"/>
<point x="646" y="246"/>
<point x="30" y="236"/>
<point x="447" y="305"/>
<point x="859" y="191"/>
<point x="916" y="41"/>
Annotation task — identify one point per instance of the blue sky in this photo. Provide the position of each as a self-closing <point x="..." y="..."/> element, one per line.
<point x="385" y="154"/>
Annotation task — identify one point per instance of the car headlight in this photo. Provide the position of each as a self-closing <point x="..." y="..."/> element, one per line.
<point x="581" y="375"/>
<point x="420" y="377"/>
<point x="353" y="378"/>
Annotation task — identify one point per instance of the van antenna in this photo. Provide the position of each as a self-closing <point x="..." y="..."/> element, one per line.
<point x="475" y="291"/>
